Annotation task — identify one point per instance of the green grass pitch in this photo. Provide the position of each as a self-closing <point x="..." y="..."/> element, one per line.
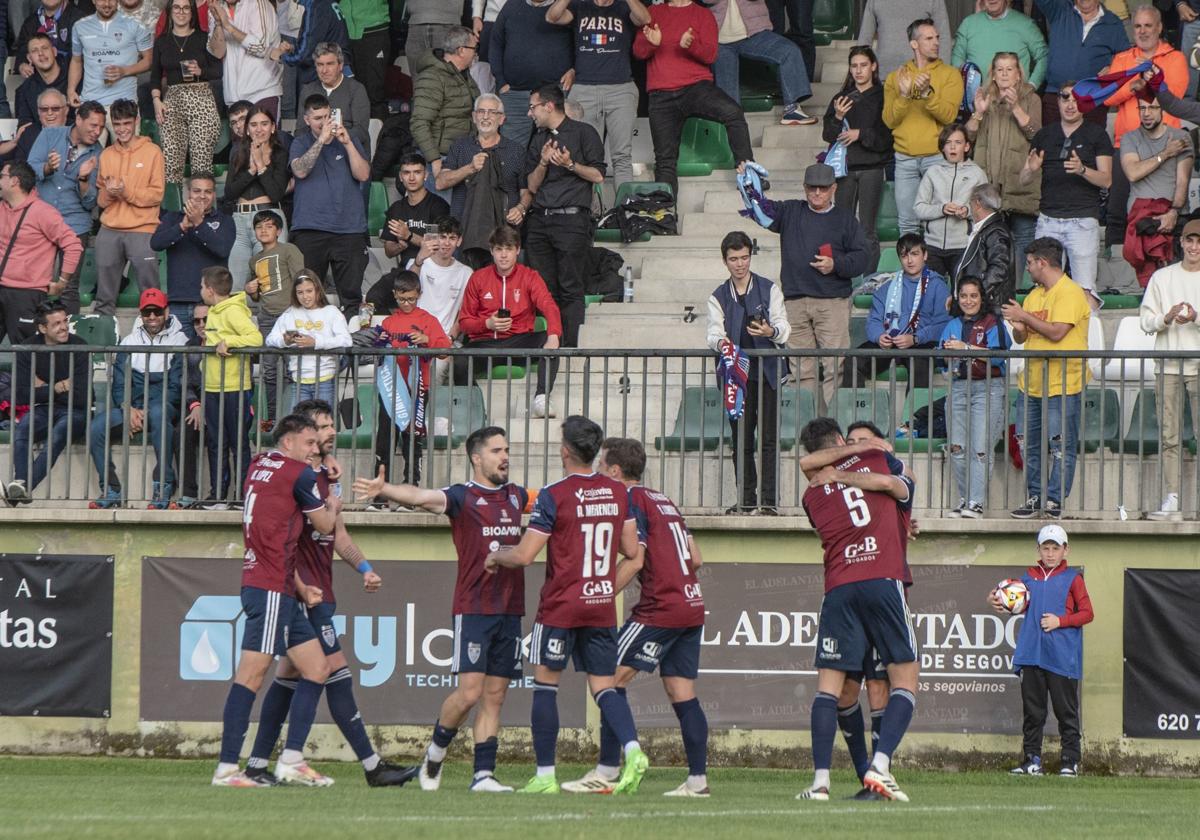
<point x="145" y="798"/>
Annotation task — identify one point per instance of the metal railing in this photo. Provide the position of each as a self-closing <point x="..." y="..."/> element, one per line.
<point x="671" y="400"/>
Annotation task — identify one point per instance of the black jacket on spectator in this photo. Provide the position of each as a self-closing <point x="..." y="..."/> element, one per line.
<point x="874" y="146"/>
<point x="989" y="256"/>
<point x="802" y="232"/>
<point x="71" y="14"/>
<point x="68" y="364"/>
<point x="25" y="99"/>
<point x="394" y="142"/>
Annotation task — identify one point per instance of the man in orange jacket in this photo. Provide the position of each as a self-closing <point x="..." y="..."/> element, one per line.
<point x="1148" y="46"/>
<point x="129" y="190"/>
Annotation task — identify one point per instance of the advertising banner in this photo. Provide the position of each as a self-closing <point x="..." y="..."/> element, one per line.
<point x="1162" y="661"/>
<point x="399" y="641"/>
<point x="56" y="614"/>
<point x="756" y="662"/>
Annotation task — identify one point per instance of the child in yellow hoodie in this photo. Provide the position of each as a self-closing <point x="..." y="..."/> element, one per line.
<point x="229" y="397"/>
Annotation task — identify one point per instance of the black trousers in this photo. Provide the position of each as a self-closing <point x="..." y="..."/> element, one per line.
<point x="386" y="438"/>
<point x="370" y="57"/>
<point x="343" y="253"/>
<point x="943" y="261"/>
<point x="799" y="14"/>
<point x="191" y="456"/>
<point x="669" y="110"/>
<point x="1116" y="212"/>
<point x="465" y="367"/>
<point x="17" y="308"/>
<point x="757" y="426"/>
<point x="859" y="374"/>
<point x="558" y="247"/>
<point x="1036" y="684"/>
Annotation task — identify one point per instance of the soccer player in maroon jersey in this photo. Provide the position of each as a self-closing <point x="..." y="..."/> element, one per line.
<point x="315" y="566"/>
<point x="485" y="514"/>
<point x="582" y="520"/>
<point x="853" y="505"/>
<point x="664" y="628"/>
<point x="280" y="491"/>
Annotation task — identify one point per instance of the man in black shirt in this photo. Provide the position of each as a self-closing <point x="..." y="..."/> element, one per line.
<point x="1074" y="158"/>
<point x="565" y="159"/>
<point x="47" y="73"/>
<point x="56" y="18"/>
<point x="411" y="216"/>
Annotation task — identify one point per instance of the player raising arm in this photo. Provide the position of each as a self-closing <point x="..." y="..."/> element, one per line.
<point x="281" y="489"/>
<point x="853" y="505"/>
<point x="485" y="514"/>
<point x="314" y="567"/>
<point x="582" y="519"/>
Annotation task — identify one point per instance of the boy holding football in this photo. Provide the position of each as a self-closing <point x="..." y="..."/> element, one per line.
<point x="1049" y="653"/>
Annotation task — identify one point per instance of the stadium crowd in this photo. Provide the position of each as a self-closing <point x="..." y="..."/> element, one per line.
<point x="152" y="132"/>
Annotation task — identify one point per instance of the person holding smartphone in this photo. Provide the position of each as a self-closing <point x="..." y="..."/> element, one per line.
<point x="181" y="68"/>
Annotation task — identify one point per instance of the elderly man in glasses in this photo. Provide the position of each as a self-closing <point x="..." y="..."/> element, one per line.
<point x="52" y="111"/>
<point x="1074" y="159"/>
<point x="144" y="394"/>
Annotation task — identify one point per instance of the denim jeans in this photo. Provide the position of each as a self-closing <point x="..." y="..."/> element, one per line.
<point x="35" y="425"/>
<point x="976" y="419"/>
<point x="518" y="126"/>
<point x="107" y="432"/>
<point x="1080" y="239"/>
<point x="771" y="48"/>
<point x="1058" y="419"/>
<point x="323" y="390"/>
<point x="908" y="177"/>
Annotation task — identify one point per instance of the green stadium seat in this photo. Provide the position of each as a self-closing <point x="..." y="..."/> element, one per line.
<point x="172" y="200"/>
<point x="364" y="408"/>
<point x="1101" y="419"/>
<point x="920" y="398"/>
<point x="703" y="147"/>
<point x="1112" y="302"/>
<point x="863" y="301"/>
<point x="874" y="404"/>
<point x="858" y="337"/>
<point x="1143" y="435"/>
<point x="796" y="407"/>
<point x="889" y="261"/>
<point x="588" y="300"/>
<point x="87" y="278"/>
<point x="510" y="371"/>
<point x="759" y="86"/>
<point x="96" y="330"/>
<point x="887" y="223"/>
<point x="700" y="423"/>
<point x="833" y="19"/>
<point x="149" y="128"/>
<point x="463" y="407"/>
<point x="377" y="205"/>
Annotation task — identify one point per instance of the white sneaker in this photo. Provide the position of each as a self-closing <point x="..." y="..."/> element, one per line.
<point x="488" y="784"/>
<point x="541" y="407"/>
<point x="958" y="509"/>
<point x="300" y="774"/>
<point x="820" y="794"/>
<point x="684" y="790"/>
<point x="884" y="784"/>
<point x="1169" y="512"/>
<point x="430" y="774"/>
<point x="592" y="782"/>
<point x="237" y="779"/>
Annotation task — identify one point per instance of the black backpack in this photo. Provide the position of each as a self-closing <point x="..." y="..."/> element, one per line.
<point x="652" y="211"/>
<point x="604" y="275"/>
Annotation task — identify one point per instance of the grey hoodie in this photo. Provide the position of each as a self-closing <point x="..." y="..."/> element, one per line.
<point x="945" y="183"/>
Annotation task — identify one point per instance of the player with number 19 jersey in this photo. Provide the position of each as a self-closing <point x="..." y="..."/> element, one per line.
<point x="583" y="515"/>
<point x="862" y="533"/>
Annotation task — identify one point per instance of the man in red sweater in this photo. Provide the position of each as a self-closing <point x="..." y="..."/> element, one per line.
<point x="679" y="45"/>
<point x="498" y="310"/>
<point x="31" y="235"/>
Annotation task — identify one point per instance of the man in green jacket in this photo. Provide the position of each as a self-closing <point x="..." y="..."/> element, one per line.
<point x="443" y="98"/>
<point x="367" y="22"/>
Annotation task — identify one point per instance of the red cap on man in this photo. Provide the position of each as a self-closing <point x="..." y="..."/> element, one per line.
<point x="153" y="297"/>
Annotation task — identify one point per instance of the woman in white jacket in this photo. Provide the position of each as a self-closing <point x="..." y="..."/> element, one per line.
<point x="311" y="323"/>
<point x="943" y="200"/>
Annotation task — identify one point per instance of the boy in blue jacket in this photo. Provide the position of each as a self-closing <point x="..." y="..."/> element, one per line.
<point x="1049" y="654"/>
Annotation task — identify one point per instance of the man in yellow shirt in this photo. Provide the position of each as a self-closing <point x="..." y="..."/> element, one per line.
<point x="1054" y="317"/>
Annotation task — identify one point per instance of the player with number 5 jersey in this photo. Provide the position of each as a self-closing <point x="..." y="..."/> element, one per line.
<point x="583" y="520"/>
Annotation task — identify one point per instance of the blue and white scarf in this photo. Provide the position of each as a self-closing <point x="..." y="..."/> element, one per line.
<point x="895" y="297"/>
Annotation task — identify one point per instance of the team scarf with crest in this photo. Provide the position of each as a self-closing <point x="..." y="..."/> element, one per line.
<point x="733" y="368"/>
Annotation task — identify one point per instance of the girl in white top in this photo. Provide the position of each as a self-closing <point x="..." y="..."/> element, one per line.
<point x="311" y="323"/>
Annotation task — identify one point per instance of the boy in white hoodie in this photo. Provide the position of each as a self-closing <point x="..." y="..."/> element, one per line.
<point x="1168" y="311"/>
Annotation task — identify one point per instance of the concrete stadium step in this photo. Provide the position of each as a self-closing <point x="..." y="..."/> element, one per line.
<point x="794" y="136"/>
<point x="661" y="332"/>
<point x="662" y="271"/>
<point x="721" y="223"/>
<point x="721" y="201"/>
<point x="779" y="161"/>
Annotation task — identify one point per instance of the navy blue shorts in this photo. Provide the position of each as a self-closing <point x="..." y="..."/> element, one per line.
<point x="321" y="619"/>
<point x="859" y="616"/>
<point x="592" y="649"/>
<point x="487" y="644"/>
<point x="872" y="668"/>
<point x="674" y="650"/>
<point x="274" y="622"/>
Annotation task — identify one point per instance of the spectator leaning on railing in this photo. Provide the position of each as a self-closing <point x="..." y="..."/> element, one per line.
<point x="31" y="235"/>
<point x="1169" y="311"/>
<point x="1054" y="317"/>
<point x="311" y="323"/>
<point x="54" y="386"/>
<point x="150" y="406"/>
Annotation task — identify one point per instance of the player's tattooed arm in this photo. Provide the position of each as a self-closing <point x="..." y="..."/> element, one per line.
<point x="522" y="554"/>
<point x="814" y="462"/>
<point x="433" y="501"/>
<point x="353" y="556"/>
<point x="874" y="482"/>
